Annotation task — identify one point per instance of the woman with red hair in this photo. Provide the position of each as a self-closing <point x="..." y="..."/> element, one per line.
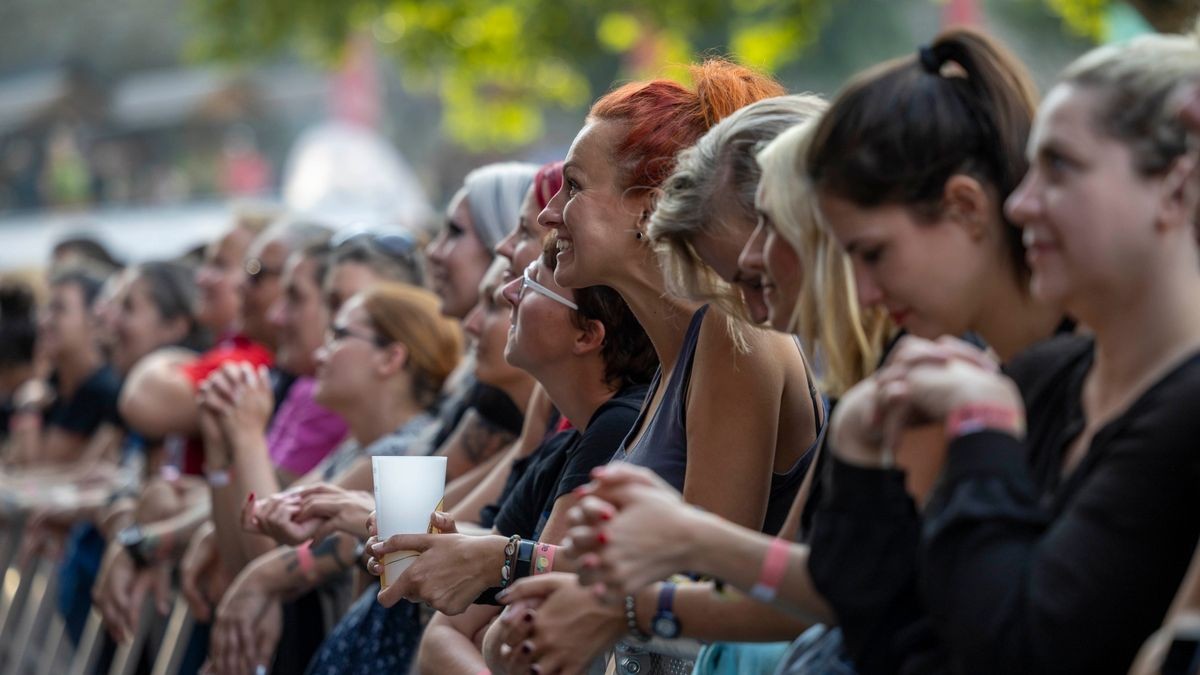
<point x="710" y="425"/>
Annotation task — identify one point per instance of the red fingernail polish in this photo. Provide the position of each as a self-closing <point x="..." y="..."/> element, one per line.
<point x="250" y="497"/>
<point x="606" y="516"/>
<point x="601" y="538"/>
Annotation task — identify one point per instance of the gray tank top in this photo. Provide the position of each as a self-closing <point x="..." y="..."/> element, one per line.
<point x="663" y="446"/>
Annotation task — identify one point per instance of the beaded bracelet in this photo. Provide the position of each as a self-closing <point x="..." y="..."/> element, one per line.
<point x="510" y="559"/>
<point x="631" y="621"/>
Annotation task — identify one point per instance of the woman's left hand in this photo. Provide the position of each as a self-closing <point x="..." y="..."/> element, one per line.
<point x="570" y="628"/>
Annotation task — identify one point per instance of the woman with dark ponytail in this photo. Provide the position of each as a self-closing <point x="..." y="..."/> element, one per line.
<point x="912" y="165"/>
<point x="1066" y="510"/>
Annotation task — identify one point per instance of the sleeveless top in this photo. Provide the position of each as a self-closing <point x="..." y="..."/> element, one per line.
<point x="663" y="446"/>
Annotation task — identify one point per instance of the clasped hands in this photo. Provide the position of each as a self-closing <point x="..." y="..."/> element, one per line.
<point x="316" y="511"/>
<point x="923" y="382"/>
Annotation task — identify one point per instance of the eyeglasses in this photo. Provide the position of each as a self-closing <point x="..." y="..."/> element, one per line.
<point x="528" y="282"/>
<point x="256" y="273"/>
<point x="338" y="333"/>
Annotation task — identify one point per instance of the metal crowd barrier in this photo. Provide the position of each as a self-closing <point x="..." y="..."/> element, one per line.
<point x="33" y="636"/>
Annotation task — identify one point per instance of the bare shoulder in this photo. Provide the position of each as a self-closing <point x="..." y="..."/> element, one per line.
<point x="754" y="369"/>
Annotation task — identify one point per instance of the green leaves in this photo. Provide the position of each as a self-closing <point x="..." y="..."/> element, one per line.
<point x="497" y="65"/>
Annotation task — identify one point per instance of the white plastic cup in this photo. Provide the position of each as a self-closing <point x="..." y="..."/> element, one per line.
<point x="407" y="491"/>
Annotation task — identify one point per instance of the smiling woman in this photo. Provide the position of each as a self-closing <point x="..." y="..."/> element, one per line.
<point x="482" y="213"/>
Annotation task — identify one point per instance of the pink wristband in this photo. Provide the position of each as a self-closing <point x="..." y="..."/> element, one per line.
<point x="304" y="558"/>
<point x="773" y="568"/>
<point x="543" y="559"/>
<point x="975" y="417"/>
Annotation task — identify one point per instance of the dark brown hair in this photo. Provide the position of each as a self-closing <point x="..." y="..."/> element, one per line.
<point x="629" y="357"/>
<point x="898" y="132"/>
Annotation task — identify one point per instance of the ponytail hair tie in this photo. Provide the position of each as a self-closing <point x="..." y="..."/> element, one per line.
<point x="930" y="63"/>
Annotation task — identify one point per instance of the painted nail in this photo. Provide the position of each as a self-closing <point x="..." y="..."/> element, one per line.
<point x="528" y="618"/>
<point x="606" y="516"/>
<point x="601" y="538"/>
<point x="525" y="648"/>
<point x="249" y="497"/>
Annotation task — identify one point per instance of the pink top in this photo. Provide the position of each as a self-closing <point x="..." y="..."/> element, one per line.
<point x="302" y="433"/>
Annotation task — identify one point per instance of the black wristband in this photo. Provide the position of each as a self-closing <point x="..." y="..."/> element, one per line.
<point x="524" y="559"/>
<point x="488" y="597"/>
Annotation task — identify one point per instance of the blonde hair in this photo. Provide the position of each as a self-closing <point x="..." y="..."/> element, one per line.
<point x="412" y="316"/>
<point x="827" y="316"/>
<point x="1135" y="81"/>
<point x="720" y="164"/>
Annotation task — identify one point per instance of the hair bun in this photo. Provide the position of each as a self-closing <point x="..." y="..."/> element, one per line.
<point x="723" y="86"/>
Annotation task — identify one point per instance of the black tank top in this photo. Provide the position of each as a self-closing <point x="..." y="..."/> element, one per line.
<point x="663" y="446"/>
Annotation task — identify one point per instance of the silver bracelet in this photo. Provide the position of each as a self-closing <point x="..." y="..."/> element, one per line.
<point x="631" y="621"/>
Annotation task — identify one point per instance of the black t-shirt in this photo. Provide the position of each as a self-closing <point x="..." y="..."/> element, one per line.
<point x="566" y="462"/>
<point x="487" y="515"/>
<point x="1014" y="566"/>
<point x="94" y="403"/>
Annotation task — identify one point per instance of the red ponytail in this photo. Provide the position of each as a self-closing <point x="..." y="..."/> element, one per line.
<point x="664" y="117"/>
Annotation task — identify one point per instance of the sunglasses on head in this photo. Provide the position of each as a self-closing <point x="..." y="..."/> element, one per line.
<point x="394" y="245"/>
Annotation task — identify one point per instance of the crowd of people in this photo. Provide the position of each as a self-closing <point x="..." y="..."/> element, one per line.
<point x="750" y="382"/>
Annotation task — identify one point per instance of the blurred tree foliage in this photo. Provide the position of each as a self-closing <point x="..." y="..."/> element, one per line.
<point x="497" y="64"/>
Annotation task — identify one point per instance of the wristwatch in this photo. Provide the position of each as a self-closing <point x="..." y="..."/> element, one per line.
<point x="665" y="624"/>
<point x="1183" y="656"/>
<point x="131" y="539"/>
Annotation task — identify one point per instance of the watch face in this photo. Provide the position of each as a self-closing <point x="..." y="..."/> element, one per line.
<point x="666" y="626"/>
<point x="129" y="536"/>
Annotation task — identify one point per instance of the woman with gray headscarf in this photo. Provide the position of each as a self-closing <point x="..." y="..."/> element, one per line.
<point x="483" y="211"/>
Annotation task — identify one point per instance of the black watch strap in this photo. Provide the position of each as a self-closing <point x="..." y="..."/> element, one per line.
<point x="524" y="559"/>
<point x="131" y="539"/>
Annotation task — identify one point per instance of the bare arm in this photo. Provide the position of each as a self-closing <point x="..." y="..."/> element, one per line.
<point x="733" y="417"/>
<point x="448" y="645"/>
<point x="158" y="399"/>
<point x="281" y="573"/>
